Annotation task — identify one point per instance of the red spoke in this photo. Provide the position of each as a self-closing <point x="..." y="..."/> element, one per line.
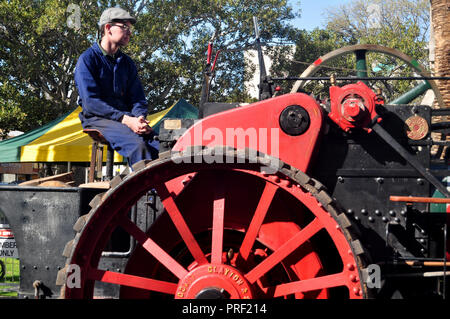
<point x="180" y="224"/>
<point x="217" y="231"/>
<point x="153" y="248"/>
<point x="257" y="220"/>
<point x="318" y="283"/>
<point x="132" y="281"/>
<point x="277" y="256"/>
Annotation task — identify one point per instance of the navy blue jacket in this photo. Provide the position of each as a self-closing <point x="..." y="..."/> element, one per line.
<point x="108" y="87"/>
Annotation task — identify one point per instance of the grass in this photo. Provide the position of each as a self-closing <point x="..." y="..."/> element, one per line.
<point x="9" y="284"/>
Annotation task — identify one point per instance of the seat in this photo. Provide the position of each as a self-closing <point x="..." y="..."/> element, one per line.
<point x="96" y="164"/>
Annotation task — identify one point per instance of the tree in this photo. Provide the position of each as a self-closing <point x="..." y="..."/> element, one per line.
<point x="390" y="23"/>
<point x="41" y="40"/>
<point x="441" y="28"/>
<point x="38" y="52"/>
<point x="308" y="47"/>
<point x="399" y="24"/>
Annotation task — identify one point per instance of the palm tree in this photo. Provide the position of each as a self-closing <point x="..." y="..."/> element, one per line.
<point x="440" y="15"/>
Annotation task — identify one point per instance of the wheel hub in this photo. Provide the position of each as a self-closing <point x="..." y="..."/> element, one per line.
<point x="214" y="282"/>
<point x="212" y="293"/>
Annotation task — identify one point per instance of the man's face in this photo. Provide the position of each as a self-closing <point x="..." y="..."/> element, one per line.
<point x="120" y="32"/>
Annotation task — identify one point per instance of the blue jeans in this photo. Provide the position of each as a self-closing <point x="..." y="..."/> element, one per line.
<point x="123" y="140"/>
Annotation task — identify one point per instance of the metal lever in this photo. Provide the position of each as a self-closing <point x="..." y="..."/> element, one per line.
<point x="410" y="159"/>
<point x="265" y="84"/>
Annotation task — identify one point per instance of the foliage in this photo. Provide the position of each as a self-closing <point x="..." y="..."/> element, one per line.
<point x="38" y="53"/>
<point x="309" y="46"/>
<point x="398" y="24"/>
<point x="40" y="44"/>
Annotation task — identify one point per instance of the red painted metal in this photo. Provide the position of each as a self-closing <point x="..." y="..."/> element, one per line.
<point x="132" y="281"/>
<point x="353" y="106"/>
<point x="214" y="276"/>
<point x="217" y="229"/>
<point x="150" y="246"/>
<point x="256" y="126"/>
<point x="318" y="283"/>
<point x="282" y="252"/>
<point x="257" y="220"/>
<point x="180" y="224"/>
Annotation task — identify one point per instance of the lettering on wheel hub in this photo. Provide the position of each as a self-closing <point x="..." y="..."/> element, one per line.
<point x="213" y="282"/>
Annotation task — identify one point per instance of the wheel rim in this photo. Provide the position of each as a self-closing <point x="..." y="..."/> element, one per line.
<point x="275" y="253"/>
<point x="362" y="49"/>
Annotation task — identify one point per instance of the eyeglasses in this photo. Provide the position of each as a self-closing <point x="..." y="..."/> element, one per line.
<point x="124" y="27"/>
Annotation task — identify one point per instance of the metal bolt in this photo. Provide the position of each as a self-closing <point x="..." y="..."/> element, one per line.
<point x="349" y="211"/>
<point x="371" y="219"/>
<point x="403" y="212"/>
<point x="364" y="211"/>
<point x="384" y="219"/>
<point x="392" y="213"/>
<point x="397" y="220"/>
<point x="420" y="181"/>
<point x="377" y="212"/>
<point x="230" y="254"/>
<point x="340" y="179"/>
<point x="379" y="180"/>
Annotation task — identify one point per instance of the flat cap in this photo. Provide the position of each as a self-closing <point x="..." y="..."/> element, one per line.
<point x="113" y="14"/>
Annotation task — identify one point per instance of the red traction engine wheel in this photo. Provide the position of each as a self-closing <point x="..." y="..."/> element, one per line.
<point x="229" y="230"/>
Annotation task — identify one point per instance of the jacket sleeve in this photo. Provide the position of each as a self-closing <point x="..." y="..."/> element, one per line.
<point x="137" y="100"/>
<point x="90" y="94"/>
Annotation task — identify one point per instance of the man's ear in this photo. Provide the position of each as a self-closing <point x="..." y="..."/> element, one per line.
<point x="107" y="27"/>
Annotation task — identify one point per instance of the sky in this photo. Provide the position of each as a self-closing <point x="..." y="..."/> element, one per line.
<point x="311" y="12"/>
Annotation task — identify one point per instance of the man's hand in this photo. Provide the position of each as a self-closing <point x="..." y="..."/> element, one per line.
<point x="138" y="125"/>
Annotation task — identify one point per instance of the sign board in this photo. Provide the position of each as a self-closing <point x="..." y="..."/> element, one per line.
<point x="8" y="247"/>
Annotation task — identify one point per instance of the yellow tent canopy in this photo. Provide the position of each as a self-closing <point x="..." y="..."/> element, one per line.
<point x="66" y="142"/>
